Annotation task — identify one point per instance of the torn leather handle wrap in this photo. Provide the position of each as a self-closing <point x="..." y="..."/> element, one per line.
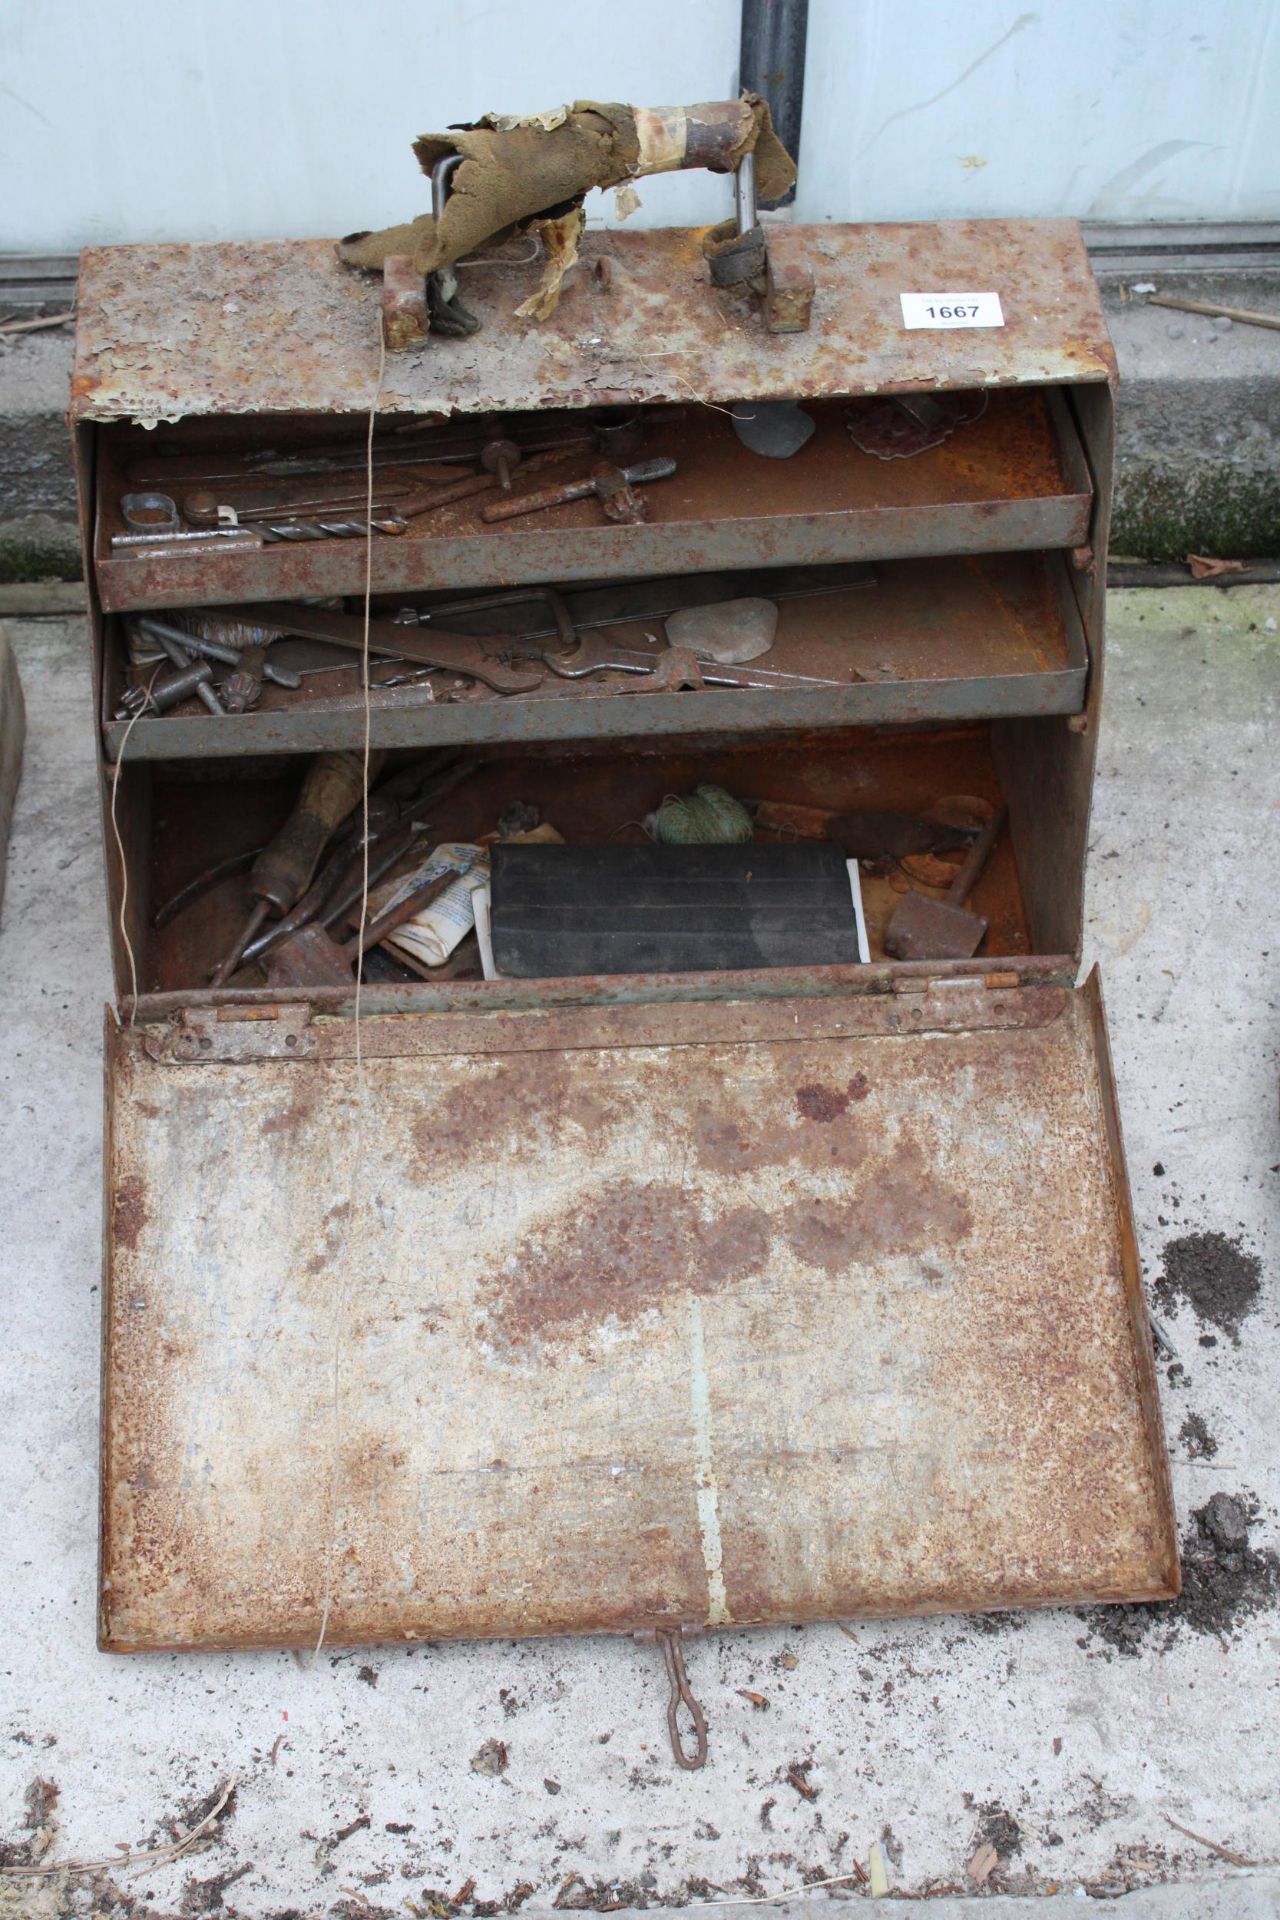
<point x="516" y="171"/>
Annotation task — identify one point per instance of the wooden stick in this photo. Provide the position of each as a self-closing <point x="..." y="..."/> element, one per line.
<point x="1223" y="1853"/>
<point x="45" y="320"/>
<point x="1245" y="315"/>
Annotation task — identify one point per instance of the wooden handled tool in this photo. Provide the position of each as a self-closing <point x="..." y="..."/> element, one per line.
<point x="283" y="870"/>
<point x="925" y="929"/>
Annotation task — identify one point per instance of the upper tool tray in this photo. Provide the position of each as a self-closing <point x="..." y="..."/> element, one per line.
<point x="270" y="342"/>
<point x="1012" y="477"/>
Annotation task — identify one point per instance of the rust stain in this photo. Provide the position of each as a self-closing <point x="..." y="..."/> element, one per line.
<point x="732" y="1137"/>
<point x="622" y="1254"/>
<point x="505" y="1102"/>
<point x="288" y="1119"/>
<point x="332" y="1232"/>
<point x="900" y="1207"/>
<point x="817" y="1102"/>
<point x="129" y="1211"/>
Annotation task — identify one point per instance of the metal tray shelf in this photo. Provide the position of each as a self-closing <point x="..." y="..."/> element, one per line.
<point x="939" y="640"/>
<point x="1012" y="480"/>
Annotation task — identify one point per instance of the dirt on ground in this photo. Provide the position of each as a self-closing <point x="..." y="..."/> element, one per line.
<point x="1215" y="1276"/>
<point x="1196" y="1438"/>
<point x="996" y="1827"/>
<point x="1224" y="1581"/>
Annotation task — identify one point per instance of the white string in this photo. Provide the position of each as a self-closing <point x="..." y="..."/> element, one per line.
<point x="124" y="865"/>
<point x="789" y="1893"/>
<point x="364" y="682"/>
<point x="357" y="1157"/>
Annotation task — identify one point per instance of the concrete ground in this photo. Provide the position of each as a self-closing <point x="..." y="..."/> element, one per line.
<point x="1070" y="1744"/>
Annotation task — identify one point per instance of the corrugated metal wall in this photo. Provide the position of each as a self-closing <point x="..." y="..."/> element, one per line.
<point x="218" y="119"/>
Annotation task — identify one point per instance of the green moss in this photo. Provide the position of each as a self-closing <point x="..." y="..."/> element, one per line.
<point x="39" y="547"/>
<point x="1165" y="511"/>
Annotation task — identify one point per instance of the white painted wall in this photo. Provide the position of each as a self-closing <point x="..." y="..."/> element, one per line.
<point x="215" y="119"/>
<point x="1106" y="109"/>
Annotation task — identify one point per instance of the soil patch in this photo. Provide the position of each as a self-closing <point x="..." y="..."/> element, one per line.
<point x="997" y="1828"/>
<point x="1196" y="1438"/>
<point x="1215" y="1276"/>
<point x="1224" y="1581"/>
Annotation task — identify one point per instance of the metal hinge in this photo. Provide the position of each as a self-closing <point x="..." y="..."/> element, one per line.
<point x="956" y="982"/>
<point x="950" y="1004"/>
<point x="219" y="1035"/>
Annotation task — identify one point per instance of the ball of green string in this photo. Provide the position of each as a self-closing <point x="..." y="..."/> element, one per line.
<point x="706" y="816"/>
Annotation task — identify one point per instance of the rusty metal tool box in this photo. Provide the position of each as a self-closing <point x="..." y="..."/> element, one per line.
<point x="658" y="1301"/>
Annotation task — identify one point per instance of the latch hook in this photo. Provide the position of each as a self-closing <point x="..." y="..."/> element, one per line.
<point x="668" y="1639"/>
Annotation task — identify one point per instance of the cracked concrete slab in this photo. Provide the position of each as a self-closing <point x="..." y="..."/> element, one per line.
<point x="356" y="1790"/>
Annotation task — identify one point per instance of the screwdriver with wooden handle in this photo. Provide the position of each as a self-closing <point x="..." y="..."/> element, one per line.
<point x="283" y="870"/>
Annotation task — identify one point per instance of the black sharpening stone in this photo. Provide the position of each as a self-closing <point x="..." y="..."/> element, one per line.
<point x="561" y="911"/>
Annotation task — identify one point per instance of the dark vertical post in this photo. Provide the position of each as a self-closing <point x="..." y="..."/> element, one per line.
<point x="771" y="63"/>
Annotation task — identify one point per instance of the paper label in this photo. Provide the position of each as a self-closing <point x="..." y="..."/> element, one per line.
<point x="951" y="310"/>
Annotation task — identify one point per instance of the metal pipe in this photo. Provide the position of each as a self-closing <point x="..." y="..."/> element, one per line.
<point x="744" y="193"/>
<point x="441" y="174"/>
<point x="771" y="63"/>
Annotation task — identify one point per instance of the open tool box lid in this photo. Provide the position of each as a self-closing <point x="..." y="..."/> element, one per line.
<point x="618" y="1304"/>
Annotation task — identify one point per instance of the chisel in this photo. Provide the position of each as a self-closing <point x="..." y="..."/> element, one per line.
<point x="283" y="870"/>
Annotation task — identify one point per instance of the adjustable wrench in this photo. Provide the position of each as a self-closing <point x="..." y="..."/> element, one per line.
<point x="594" y="655"/>
<point x="463" y="653"/>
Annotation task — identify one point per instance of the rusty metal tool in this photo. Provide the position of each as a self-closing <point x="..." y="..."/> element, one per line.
<point x="473" y="483"/>
<point x="669" y="665"/>
<point x="313" y="958"/>
<point x="242" y="688"/>
<point x="410" y="448"/>
<point x="925" y="929"/>
<point x="170" y="691"/>
<point x="501" y="455"/>
<point x="282" y="872"/>
<point x="170" y="637"/>
<point x="625" y="602"/>
<point x="183" y="660"/>
<point x="464" y="653"/>
<point x="191" y="540"/>
<point x="440" y="450"/>
<point x="203" y="883"/>
<point x="203" y="506"/>
<point x="885" y="834"/>
<point x="297" y="531"/>
<point x="149" y="512"/>
<point x="612" y="486"/>
<point x="335" y="902"/>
